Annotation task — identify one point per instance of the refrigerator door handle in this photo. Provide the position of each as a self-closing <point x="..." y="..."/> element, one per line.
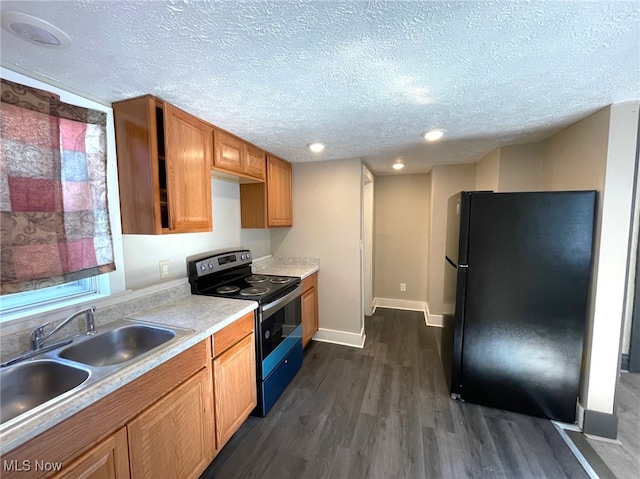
<point x="463" y="266"/>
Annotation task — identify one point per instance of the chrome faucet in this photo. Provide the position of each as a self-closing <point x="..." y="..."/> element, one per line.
<point x="38" y="337"/>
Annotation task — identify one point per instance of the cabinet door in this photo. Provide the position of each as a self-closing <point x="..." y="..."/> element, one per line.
<point x="174" y="437"/>
<point x="309" y="313"/>
<point x="256" y="162"/>
<point x="228" y="152"/>
<point x="235" y="389"/>
<point x="279" y="208"/>
<point x="188" y="155"/>
<point x="137" y="155"/>
<point x="107" y="460"/>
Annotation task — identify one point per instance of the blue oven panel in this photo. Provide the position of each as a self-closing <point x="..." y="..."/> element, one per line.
<point x="276" y="356"/>
<point x="281" y="375"/>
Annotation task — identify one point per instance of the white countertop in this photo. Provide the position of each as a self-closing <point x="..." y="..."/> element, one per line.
<point x="279" y="266"/>
<point x="204" y="315"/>
<point x="302" y="271"/>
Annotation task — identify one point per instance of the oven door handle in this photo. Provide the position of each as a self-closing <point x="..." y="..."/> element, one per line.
<point x="285" y="299"/>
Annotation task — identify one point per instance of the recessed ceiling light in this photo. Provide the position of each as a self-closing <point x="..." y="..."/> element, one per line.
<point x="398" y="166"/>
<point x="434" y="135"/>
<point x="34" y="30"/>
<point x="316" y="147"/>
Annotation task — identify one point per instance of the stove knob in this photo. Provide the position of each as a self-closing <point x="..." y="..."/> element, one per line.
<point x="203" y="266"/>
<point x="243" y="257"/>
<point x="210" y="265"/>
<point x="248" y="255"/>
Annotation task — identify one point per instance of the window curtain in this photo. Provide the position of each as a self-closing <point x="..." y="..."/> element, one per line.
<point x="54" y="219"/>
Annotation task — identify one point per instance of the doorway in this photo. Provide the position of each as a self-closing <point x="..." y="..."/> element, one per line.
<point x="367" y="241"/>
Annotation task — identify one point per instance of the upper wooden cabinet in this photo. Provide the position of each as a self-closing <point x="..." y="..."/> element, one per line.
<point x="164" y="168"/>
<point x="232" y="154"/>
<point x="267" y="205"/>
<point x="279" y="207"/>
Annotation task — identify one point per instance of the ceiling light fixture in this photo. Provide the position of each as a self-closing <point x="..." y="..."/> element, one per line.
<point x="316" y="147"/>
<point x="34" y="30"/>
<point x="434" y="135"/>
<point x="398" y="166"/>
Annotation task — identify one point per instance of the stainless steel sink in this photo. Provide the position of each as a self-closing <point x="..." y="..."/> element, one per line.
<point x="39" y="381"/>
<point x="118" y="345"/>
<point x="25" y="386"/>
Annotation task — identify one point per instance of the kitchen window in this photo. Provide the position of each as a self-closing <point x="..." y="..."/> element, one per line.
<point x="40" y="300"/>
<point x="75" y="291"/>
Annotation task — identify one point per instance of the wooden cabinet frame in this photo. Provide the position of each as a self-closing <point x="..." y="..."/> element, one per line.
<point x="234" y="377"/>
<point x="270" y="204"/>
<point x="158" y="143"/>
<point x="309" y="300"/>
<point x="233" y="154"/>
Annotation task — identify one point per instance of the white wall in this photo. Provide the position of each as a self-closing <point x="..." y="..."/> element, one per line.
<point x="488" y="172"/>
<point x="327" y="224"/>
<point x="604" y="353"/>
<point x="401" y="231"/>
<point x="520" y="168"/>
<point x="368" y="223"/>
<point x="142" y="253"/>
<point x="446" y="181"/>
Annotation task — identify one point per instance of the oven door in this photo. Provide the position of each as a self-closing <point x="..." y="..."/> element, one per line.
<point x="279" y="328"/>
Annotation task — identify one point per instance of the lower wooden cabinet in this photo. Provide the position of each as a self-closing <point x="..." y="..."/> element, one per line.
<point x="107" y="460"/>
<point x="309" y="300"/>
<point x="173" y="438"/>
<point x="234" y="379"/>
<point x="234" y="376"/>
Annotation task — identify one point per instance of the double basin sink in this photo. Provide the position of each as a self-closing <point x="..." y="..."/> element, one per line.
<point x="32" y="385"/>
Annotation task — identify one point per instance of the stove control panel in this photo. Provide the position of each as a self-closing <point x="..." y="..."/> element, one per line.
<point x="205" y="264"/>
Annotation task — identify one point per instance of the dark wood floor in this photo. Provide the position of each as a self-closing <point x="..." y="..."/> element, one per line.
<point x="623" y="458"/>
<point x="384" y="412"/>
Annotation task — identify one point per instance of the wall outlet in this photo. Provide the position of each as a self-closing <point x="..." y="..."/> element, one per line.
<point x="164" y="269"/>
<point x="403" y="286"/>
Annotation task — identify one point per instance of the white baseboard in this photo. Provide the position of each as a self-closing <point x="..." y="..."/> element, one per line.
<point x="434" y="320"/>
<point x="398" y="304"/>
<point x="355" y="340"/>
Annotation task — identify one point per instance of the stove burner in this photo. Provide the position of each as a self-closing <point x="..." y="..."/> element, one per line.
<point x="256" y="279"/>
<point x="280" y="280"/>
<point x="254" y="291"/>
<point x="227" y="289"/>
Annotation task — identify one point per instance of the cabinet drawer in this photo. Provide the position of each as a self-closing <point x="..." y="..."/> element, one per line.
<point x="279" y="379"/>
<point x="230" y="335"/>
<point x="309" y="282"/>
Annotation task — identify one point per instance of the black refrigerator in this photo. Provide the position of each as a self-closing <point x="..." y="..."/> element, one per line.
<point x="517" y="275"/>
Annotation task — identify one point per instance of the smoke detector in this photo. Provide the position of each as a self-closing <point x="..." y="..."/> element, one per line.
<point x="34" y="30"/>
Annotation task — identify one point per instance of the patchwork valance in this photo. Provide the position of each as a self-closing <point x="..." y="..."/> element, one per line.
<point x="54" y="218"/>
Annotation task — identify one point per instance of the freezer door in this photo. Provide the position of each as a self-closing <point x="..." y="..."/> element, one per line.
<point x="529" y="263"/>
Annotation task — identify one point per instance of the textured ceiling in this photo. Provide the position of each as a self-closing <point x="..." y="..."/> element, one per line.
<point x="366" y="78"/>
